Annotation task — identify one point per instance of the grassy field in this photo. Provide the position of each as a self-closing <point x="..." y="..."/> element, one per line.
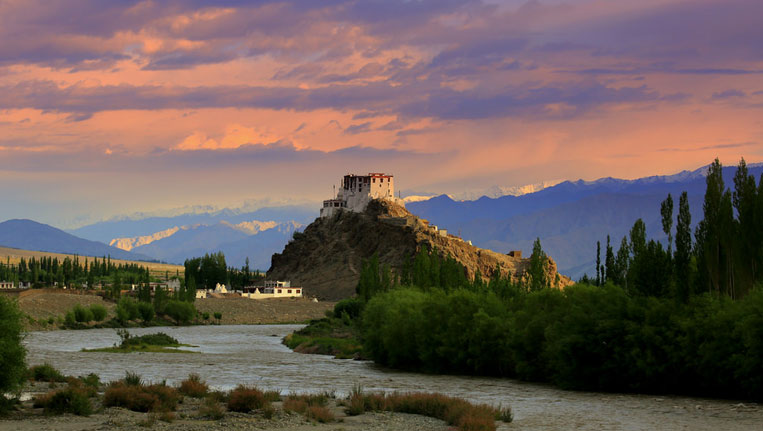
<point x="156" y="269"/>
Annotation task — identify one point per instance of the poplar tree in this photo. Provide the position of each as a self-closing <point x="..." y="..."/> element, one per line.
<point x="683" y="249"/>
<point x="666" y="210"/>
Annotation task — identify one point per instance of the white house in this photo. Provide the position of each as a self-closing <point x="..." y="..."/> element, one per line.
<point x="357" y="190"/>
<point x="272" y="289"/>
<point x="7" y="285"/>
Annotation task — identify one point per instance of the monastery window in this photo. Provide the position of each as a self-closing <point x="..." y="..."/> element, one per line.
<point x="297" y="291"/>
<point x="279" y="290"/>
<point x="374" y="180"/>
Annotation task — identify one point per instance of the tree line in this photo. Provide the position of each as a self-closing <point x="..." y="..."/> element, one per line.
<point x="682" y="318"/>
<point x="206" y="271"/>
<point x="71" y="271"/>
<point x="725" y="257"/>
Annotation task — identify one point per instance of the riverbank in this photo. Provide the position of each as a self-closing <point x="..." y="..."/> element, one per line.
<point x="253" y="355"/>
<point x="209" y="412"/>
<point x="45" y="309"/>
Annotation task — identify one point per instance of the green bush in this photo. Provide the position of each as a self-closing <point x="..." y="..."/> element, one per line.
<point x="146" y="310"/>
<point x="127" y="309"/>
<point x="82" y="314"/>
<point x="596" y="338"/>
<point x="350" y="306"/>
<point x="92" y="380"/>
<point x="182" y="312"/>
<point x="69" y="320"/>
<point x="99" y="312"/>
<point x="69" y="400"/>
<point x="46" y="373"/>
<point x="12" y="352"/>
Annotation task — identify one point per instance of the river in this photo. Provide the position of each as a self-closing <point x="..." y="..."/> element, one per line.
<point x="232" y="355"/>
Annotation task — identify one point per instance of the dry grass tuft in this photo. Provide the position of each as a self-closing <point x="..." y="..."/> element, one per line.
<point x="320" y="414"/>
<point x="193" y="387"/>
<point x="455" y="411"/>
<point x="211" y="408"/>
<point x="141" y="398"/>
<point x="246" y="398"/>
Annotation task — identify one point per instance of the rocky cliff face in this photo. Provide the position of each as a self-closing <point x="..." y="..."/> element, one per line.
<point x="326" y="258"/>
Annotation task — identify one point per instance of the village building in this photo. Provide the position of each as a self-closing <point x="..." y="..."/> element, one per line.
<point x="356" y="191"/>
<point x="7" y="285"/>
<point x="272" y="289"/>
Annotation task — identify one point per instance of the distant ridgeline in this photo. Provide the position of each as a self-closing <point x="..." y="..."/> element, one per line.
<point x="654" y="320"/>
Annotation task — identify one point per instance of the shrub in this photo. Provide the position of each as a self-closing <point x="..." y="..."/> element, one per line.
<point x="454" y="411"/>
<point x="350" y="306"/>
<point x="182" y="312"/>
<point x="245" y="398"/>
<point x="132" y="379"/>
<point x="193" y="387"/>
<point x="141" y="398"/>
<point x="212" y="409"/>
<point x="82" y="314"/>
<point x="218" y="315"/>
<point x="99" y="312"/>
<point x="92" y="380"/>
<point x="127" y="309"/>
<point x="158" y="339"/>
<point x="320" y="414"/>
<point x="68" y="400"/>
<point x="205" y="315"/>
<point x="46" y="373"/>
<point x="146" y="310"/>
<point x="69" y="320"/>
<point x="294" y="404"/>
<point x="12" y="351"/>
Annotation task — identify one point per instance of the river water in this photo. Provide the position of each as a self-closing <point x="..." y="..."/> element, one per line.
<point x="232" y="355"/>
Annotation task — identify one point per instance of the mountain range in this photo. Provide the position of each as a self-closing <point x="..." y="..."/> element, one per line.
<point x="571" y="216"/>
<point x="568" y="217"/>
<point x="30" y="235"/>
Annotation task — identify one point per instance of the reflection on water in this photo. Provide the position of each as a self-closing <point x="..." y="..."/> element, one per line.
<point x="231" y="355"/>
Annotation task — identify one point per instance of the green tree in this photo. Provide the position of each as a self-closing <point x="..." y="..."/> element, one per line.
<point x="714" y="235"/>
<point x="683" y="249"/>
<point x="146" y="311"/>
<point x="599" y="276"/>
<point x="369" y="282"/>
<point x="609" y="263"/>
<point x="12" y="352"/>
<point x="181" y="311"/>
<point x="160" y="300"/>
<point x="745" y="199"/>
<point x="538" y="268"/>
<point x="666" y="210"/>
<point x="190" y="290"/>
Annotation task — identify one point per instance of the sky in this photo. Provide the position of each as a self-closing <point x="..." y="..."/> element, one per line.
<point x="120" y="107"/>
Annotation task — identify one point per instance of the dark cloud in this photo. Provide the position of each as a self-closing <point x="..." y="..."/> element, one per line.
<point x="358" y="128"/>
<point x="96" y="159"/>
<point x="413" y="101"/>
<point x="708" y="147"/>
<point x="729" y="94"/>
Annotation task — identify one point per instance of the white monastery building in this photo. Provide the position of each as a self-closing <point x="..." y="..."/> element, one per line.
<point x="356" y="191"/>
<point x="272" y="289"/>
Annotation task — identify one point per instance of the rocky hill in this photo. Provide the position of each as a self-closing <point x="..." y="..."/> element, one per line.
<point x="326" y="258"/>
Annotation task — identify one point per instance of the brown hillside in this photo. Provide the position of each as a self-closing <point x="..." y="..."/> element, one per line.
<point x="326" y="258"/>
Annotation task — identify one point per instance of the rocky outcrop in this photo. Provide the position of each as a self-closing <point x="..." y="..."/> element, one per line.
<point x="326" y="258"/>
